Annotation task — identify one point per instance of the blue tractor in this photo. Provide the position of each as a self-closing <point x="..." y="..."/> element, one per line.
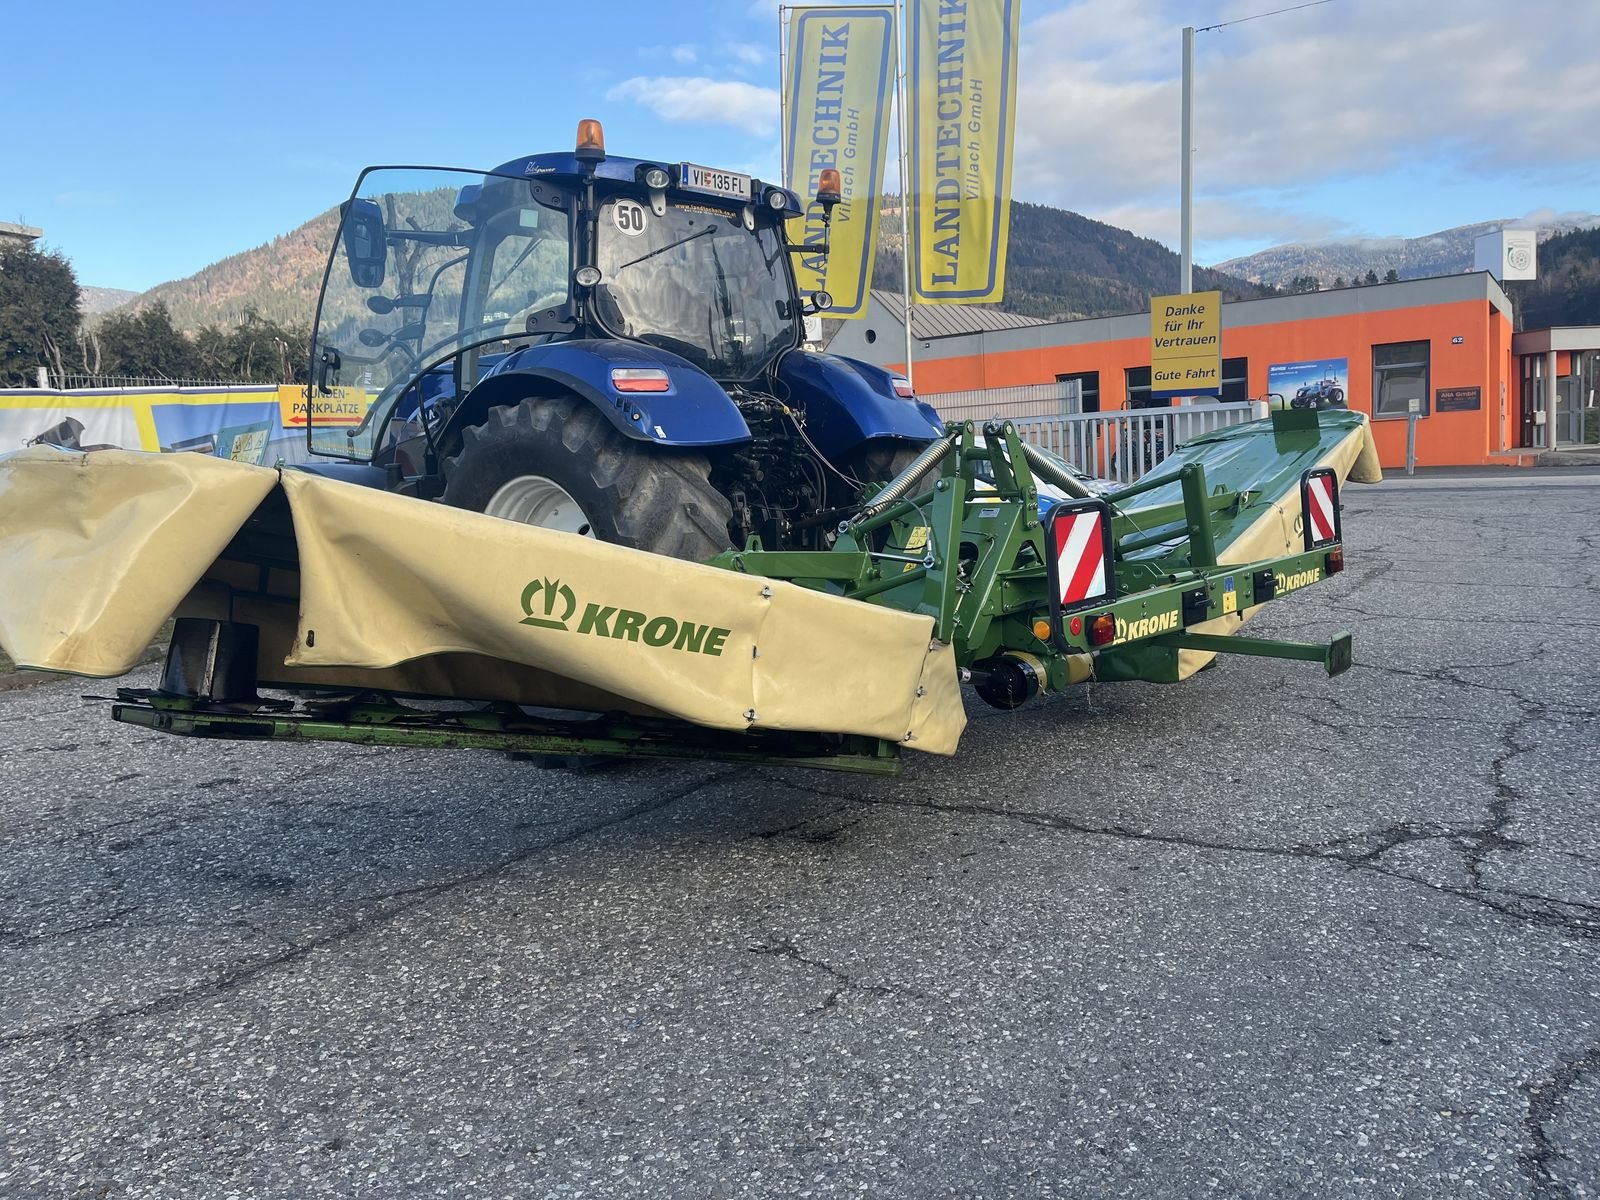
<point x="611" y="347"/>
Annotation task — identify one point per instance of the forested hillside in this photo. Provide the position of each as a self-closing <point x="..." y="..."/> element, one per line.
<point x="1567" y="291"/>
<point x="277" y="281"/>
<point x="1062" y="265"/>
<point x="1059" y="265"/>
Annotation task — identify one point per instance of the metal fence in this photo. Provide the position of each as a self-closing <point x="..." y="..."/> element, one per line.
<point x="84" y="382"/>
<point x="1123" y="445"/>
<point x="1010" y="403"/>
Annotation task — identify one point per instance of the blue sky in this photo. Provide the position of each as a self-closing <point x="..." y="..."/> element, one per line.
<point x="157" y="138"/>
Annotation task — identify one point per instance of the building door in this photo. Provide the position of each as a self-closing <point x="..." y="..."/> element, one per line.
<point x="1586" y="377"/>
<point x="1532" y="425"/>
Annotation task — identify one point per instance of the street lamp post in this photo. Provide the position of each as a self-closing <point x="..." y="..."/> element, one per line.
<point x="1186" y="175"/>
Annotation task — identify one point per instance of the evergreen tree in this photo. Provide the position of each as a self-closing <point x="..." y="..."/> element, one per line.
<point x="1391" y="276"/>
<point x="38" y="313"/>
<point x="145" y="344"/>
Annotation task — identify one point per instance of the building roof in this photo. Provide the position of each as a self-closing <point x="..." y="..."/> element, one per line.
<point x="942" y="320"/>
<point x="874" y="340"/>
<point x="26" y="232"/>
<point x="1559" y="337"/>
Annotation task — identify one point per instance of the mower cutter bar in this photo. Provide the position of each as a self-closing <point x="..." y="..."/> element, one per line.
<point x="614" y="735"/>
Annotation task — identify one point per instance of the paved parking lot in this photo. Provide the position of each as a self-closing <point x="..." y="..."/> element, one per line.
<point x="1260" y="934"/>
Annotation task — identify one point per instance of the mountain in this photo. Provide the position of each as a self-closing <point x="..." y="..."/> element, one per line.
<point x="279" y="280"/>
<point x="1447" y="252"/>
<point x="93" y="301"/>
<point x="1060" y="265"/>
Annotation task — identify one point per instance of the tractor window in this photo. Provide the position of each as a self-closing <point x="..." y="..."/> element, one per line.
<point x="698" y="282"/>
<point x="427" y="263"/>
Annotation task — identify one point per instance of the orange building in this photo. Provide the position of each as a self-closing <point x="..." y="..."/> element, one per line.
<point x="1441" y="348"/>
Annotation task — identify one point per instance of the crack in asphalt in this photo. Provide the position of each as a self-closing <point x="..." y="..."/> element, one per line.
<point x="1544" y="1098"/>
<point x="1362" y="851"/>
<point x="776" y="947"/>
<point x="394" y="904"/>
<point x="1450" y="676"/>
<point x="14" y="939"/>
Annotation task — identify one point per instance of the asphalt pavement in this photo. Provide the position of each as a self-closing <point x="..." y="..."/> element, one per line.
<point x="1260" y="934"/>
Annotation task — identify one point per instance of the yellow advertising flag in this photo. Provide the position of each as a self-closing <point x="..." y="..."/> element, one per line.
<point x="836" y="108"/>
<point x="963" y="97"/>
<point x="1186" y="345"/>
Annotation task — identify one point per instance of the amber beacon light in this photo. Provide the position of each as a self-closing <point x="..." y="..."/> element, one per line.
<point x="591" y="140"/>
<point x="829" y="189"/>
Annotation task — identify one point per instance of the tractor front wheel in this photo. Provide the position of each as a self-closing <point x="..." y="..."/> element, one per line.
<point x="557" y="463"/>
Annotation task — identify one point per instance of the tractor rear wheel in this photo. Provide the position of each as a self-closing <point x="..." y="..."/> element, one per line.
<point x="879" y="462"/>
<point x="557" y="463"/>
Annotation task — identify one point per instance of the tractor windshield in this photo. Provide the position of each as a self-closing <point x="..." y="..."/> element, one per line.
<point x="697" y="281"/>
<point x="428" y="263"/>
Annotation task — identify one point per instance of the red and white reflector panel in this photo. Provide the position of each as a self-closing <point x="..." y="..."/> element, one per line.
<point x="1319" y="507"/>
<point x="1080" y="557"/>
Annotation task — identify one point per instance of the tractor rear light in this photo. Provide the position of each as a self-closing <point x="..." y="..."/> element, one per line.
<point x="902" y="387"/>
<point x="640" y="379"/>
<point x="1076" y="626"/>
<point x="1102" y="630"/>
<point x="1333" y="560"/>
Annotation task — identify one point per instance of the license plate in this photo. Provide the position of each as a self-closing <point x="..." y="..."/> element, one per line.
<point x="713" y="182"/>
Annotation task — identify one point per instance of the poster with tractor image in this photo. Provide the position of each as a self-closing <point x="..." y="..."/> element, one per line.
<point x="1318" y="383"/>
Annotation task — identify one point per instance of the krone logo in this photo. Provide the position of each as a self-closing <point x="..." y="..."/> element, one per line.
<point x="558" y="604"/>
<point x="553" y="590"/>
<point x="1132" y="631"/>
<point x="1288" y="583"/>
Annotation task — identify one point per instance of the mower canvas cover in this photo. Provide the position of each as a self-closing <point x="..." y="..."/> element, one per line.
<point x="367" y="590"/>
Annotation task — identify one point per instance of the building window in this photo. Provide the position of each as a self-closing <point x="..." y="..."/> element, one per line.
<point x="1088" y="389"/>
<point x="1399" y="376"/>
<point x="1139" y="390"/>
<point x="1235" y="380"/>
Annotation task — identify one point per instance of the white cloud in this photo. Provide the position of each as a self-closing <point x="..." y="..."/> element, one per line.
<point x="684" y="52"/>
<point x="697" y="100"/>
<point x="748" y="53"/>
<point x="1303" y="99"/>
<point x="1223" y="219"/>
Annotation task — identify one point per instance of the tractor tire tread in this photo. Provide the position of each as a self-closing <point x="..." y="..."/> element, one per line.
<point x="661" y="501"/>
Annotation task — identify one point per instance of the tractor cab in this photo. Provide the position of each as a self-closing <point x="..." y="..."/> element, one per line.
<point x="439" y="275"/>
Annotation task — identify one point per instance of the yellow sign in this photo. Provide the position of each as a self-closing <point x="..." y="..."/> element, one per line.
<point x="962" y="111"/>
<point x="836" y="112"/>
<point x="1186" y="345"/>
<point x="347" y="406"/>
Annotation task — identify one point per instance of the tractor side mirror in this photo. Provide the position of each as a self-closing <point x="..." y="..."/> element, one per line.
<point x="366" y="244"/>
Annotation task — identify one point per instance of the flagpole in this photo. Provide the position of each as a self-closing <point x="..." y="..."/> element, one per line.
<point x="905" y="179"/>
<point x="783" y="95"/>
